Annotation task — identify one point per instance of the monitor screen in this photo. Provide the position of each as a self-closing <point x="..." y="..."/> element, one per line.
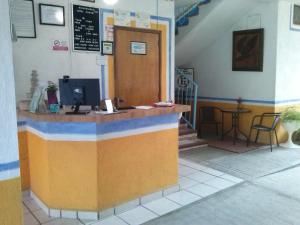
<point x="79" y="92"/>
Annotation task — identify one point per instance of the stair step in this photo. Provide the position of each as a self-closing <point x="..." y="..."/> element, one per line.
<point x="189" y="144"/>
<point x="188" y="136"/>
<point x="182" y="125"/>
<point x="193" y="12"/>
<point x="185" y="131"/>
<point x="184" y="21"/>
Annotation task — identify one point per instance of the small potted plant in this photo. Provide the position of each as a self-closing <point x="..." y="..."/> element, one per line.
<point x="52" y="97"/>
<point x="291" y="122"/>
<point x="239" y="103"/>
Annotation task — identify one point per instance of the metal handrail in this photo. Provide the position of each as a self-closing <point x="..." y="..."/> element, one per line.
<point x="188" y="95"/>
<point x="191" y="8"/>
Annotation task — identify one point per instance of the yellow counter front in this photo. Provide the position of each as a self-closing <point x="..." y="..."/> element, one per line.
<point x="97" y="162"/>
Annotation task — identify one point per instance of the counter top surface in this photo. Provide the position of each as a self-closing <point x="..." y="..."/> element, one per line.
<point x="100" y="118"/>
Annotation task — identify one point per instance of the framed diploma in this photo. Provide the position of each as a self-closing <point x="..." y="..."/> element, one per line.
<point x="52" y="15"/>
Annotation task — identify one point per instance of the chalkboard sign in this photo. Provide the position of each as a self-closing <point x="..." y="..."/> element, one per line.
<point x="86" y="28"/>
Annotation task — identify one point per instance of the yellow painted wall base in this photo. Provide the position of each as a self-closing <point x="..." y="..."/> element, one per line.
<point x="11" y="212"/>
<point x="24" y="161"/>
<point x="95" y="176"/>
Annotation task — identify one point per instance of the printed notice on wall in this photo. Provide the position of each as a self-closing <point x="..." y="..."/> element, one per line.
<point x="109" y="33"/>
<point x="59" y="45"/>
<point x="142" y="20"/>
<point x="22" y="15"/>
<point x="122" y="18"/>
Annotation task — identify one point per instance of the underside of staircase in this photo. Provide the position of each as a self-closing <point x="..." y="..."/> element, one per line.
<point x="188" y="138"/>
<point x="189" y="11"/>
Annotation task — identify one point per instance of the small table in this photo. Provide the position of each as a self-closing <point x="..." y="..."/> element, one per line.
<point x="235" y="115"/>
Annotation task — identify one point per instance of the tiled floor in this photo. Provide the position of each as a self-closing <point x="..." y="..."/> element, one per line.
<point x="196" y="182"/>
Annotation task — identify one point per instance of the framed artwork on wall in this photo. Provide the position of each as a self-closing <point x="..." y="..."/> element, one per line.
<point x="295" y="17"/>
<point x="52" y="15"/>
<point x="248" y="50"/>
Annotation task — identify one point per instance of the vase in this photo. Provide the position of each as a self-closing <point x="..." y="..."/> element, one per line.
<point x="52" y="98"/>
<point x="290" y="127"/>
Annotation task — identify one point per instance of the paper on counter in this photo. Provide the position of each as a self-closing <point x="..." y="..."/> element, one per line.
<point x="144" y="107"/>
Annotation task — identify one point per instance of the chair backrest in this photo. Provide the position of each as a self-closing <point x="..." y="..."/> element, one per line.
<point x="207" y="114"/>
<point x="276" y="120"/>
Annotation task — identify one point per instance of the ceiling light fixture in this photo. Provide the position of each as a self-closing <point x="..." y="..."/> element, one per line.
<point x="110" y="2"/>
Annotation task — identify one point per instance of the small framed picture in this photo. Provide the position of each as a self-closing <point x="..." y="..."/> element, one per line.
<point x="295" y="17"/>
<point x="52" y="15"/>
<point x="138" y="48"/>
<point x="107" y="48"/>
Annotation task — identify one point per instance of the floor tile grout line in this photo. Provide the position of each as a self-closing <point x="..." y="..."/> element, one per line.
<point x="32" y="214"/>
<point x="120" y="219"/>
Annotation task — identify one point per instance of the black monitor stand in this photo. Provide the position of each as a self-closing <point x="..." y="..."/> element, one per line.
<point x="76" y="110"/>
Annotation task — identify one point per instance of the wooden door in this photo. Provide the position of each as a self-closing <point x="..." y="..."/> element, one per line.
<point x="137" y="77"/>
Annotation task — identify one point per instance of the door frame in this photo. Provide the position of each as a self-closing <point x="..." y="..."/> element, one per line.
<point x="134" y="29"/>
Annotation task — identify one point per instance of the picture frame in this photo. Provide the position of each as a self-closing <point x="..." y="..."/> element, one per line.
<point x="107" y="48"/>
<point x="248" y="50"/>
<point x="138" y="48"/>
<point x="53" y="15"/>
<point x="295" y="17"/>
<point x="184" y="76"/>
<point x="23" y="19"/>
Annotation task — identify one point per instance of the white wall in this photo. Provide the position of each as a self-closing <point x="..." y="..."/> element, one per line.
<point x="8" y="122"/>
<point x="213" y="67"/>
<point x="35" y="54"/>
<point x="288" y="55"/>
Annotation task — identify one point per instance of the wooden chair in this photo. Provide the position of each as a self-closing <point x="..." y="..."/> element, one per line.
<point x="208" y="117"/>
<point x="261" y="127"/>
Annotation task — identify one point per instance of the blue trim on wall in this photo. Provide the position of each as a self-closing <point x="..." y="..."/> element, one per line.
<point x="267" y="102"/>
<point x="103" y="10"/>
<point x="9" y="166"/>
<point x="90" y="128"/>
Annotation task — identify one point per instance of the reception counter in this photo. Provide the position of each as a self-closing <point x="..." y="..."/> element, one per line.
<point x="97" y="162"/>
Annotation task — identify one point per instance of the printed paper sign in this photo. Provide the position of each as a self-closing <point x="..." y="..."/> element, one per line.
<point x="142" y="20"/>
<point x="60" y="45"/>
<point x="122" y="18"/>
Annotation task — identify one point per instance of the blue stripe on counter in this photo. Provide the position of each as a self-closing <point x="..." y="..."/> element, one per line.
<point x="89" y="128"/>
<point x="9" y="166"/>
<point x="126" y="125"/>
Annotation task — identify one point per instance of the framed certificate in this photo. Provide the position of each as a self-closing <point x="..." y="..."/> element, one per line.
<point x="52" y="15"/>
<point x="23" y="19"/>
<point x="107" y="48"/>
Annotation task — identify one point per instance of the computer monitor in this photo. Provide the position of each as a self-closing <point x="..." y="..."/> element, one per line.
<point x="77" y="92"/>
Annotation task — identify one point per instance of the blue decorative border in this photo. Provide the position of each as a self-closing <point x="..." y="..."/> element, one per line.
<point x="9" y="166"/>
<point x="90" y="128"/>
<point x="266" y="102"/>
<point x="103" y="10"/>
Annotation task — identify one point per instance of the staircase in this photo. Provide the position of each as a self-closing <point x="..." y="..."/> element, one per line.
<point x="186" y="93"/>
<point x="188" y="138"/>
<point x="183" y="13"/>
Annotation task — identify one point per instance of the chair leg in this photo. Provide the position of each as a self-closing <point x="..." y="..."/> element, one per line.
<point x="200" y="131"/>
<point x="249" y="137"/>
<point x="257" y="134"/>
<point x="217" y="129"/>
<point x="271" y="141"/>
<point x="276" y="138"/>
